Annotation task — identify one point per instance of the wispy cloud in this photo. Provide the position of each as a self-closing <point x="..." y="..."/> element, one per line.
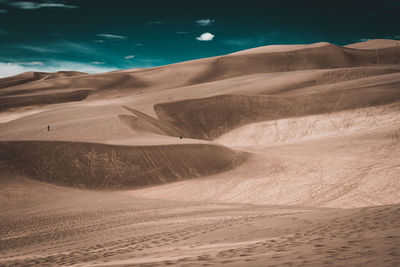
<point x="205" y="22"/>
<point x="62" y="47"/>
<point x="393" y="37"/>
<point x="129" y="57"/>
<point x="253" y="41"/>
<point x="98" y="62"/>
<point x="32" y="63"/>
<point x="9" y="68"/>
<point x="149" y="62"/>
<point x="182" y="32"/>
<point x="155" y="22"/>
<point x="239" y="42"/>
<point x="98" y="41"/>
<point x="39" y="49"/>
<point x="111" y="36"/>
<point x="33" y="5"/>
<point x="206" y="37"/>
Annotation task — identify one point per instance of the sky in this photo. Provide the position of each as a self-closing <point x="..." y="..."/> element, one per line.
<point x="103" y="35"/>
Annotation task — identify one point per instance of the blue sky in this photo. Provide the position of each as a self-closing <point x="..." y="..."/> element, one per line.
<point x="103" y="35"/>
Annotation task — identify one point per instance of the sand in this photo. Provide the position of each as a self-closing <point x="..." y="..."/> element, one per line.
<point x="277" y="155"/>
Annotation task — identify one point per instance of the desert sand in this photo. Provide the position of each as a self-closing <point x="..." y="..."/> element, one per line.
<point x="290" y="155"/>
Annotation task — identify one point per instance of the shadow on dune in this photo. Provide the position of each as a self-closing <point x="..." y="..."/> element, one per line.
<point x="208" y="118"/>
<point x="42" y="99"/>
<point x="93" y="165"/>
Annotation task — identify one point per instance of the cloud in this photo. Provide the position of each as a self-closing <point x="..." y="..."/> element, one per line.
<point x="39" y="49"/>
<point x="98" y="62"/>
<point x="239" y="42"/>
<point x="111" y="36"/>
<point x="98" y="41"/>
<point x="253" y="41"/>
<point x="129" y="57"/>
<point x="33" y="5"/>
<point x="205" y="37"/>
<point x="76" y="47"/>
<point x="2" y="11"/>
<point x="139" y="44"/>
<point x="32" y="63"/>
<point x="60" y="48"/>
<point x="393" y="37"/>
<point x="182" y="32"/>
<point x="149" y="62"/>
<point x="9" y="68"/>
<point x="205" y="22"/>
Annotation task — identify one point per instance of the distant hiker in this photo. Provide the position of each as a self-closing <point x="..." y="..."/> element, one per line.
<point x="48" y="128"/>
<point x="181" y="137"/>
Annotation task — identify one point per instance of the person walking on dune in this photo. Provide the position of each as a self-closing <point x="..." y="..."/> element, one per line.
<point x="48" y="128"/>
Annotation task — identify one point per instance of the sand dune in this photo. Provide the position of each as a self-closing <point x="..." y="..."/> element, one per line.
<point x="200" y="119"/>
<point x="106" y="166"/>
<point x="31" y="76"/>
<point x="289" y="156"/>
<point x="117" y="230"/>
<point x="375" y="44"/>
<point x="325" y="56"/>
<point x="286" y="94"/>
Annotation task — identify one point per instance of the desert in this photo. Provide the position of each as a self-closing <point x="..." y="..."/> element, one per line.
<point x="281" y="155"/>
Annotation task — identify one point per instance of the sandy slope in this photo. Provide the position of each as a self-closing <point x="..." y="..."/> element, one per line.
<point x="375" y="44"/>
<point x="110" y="166"/>
<point x="63" y="226"/>
<point x="294" y="151"/>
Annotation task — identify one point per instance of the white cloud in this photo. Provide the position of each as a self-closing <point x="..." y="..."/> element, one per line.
<point x="139" y="44"/>
<point x="33" y="5"/>
<point x="111" y="36"/>
<point x="8" y="69"/>
<point x="205" y="22"/>
<point x="205" y="37"/>
<point x="98" y="62"/>
<point x="129" y="57"/>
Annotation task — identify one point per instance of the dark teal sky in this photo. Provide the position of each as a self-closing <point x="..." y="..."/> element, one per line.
<point x="102" y="35"/>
